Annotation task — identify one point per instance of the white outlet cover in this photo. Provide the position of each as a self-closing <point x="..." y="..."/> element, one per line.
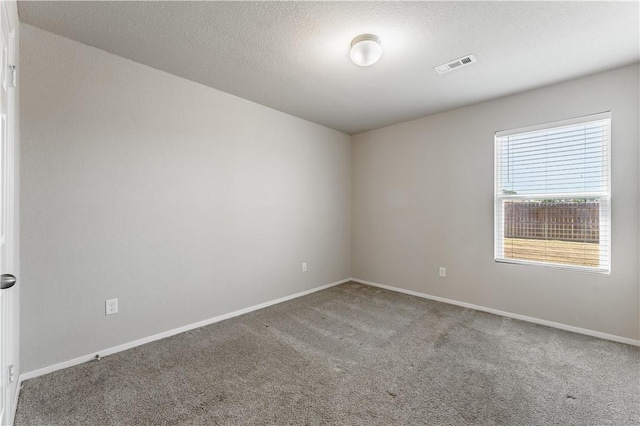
<point x="443" y="271"/>
<point x="304" y="266"/>
<point x="111" y="306"/>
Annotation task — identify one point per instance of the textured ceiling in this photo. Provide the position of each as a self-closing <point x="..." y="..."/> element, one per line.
<point x="294" y="56"/>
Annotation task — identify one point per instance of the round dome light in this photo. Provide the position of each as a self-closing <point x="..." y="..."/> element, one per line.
<point x="366" y="49"/>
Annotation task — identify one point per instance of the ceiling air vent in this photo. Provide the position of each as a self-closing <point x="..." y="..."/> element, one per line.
<point x="455" y="64"/>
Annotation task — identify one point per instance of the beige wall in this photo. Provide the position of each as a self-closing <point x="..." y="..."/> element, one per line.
<point x="181" y="201"/>
<point x="423" y="198"/>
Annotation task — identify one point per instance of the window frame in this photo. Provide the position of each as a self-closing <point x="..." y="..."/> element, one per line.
<point x="603" y="197"/>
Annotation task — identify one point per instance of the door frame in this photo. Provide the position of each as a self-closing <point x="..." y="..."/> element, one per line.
<point x="12" y="295"/>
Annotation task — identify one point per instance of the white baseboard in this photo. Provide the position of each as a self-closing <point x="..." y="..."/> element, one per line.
<point x="133" y="344"/>
<point x="558" y="325"/>
<point x="79" y="360"/>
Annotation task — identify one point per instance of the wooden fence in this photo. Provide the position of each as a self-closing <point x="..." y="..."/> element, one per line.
<point x="553" y="220"/>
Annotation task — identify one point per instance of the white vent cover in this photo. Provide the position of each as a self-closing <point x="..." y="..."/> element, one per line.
<point x="455" y="64"/>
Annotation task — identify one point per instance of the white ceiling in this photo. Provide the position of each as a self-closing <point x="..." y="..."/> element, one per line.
<point x="294" y="56"/>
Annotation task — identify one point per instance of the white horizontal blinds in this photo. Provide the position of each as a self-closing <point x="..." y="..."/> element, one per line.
<point x="552" y="194"/>
<point x="564" y="160"/>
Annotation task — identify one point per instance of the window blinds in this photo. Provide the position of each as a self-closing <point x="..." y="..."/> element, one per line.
<point x="552" y="194"/>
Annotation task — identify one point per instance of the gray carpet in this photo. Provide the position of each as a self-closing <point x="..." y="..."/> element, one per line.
<point x="350" y="355"/>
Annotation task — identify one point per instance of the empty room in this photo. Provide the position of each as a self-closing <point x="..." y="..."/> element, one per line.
<point x="310" y="213"/>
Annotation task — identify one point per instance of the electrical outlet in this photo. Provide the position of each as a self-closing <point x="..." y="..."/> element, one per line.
<point x="12" y="373"/>
<point x="304" y="266"/>
<point x="111" y="306"/>
<point x="443" y="271"/>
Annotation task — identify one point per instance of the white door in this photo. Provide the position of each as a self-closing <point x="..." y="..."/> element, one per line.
<point x="8" y="214"/>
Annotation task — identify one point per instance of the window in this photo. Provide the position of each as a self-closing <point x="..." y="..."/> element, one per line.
<point x="552" y="194"/>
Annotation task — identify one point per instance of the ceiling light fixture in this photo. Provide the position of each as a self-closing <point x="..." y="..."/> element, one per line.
<point x="366" y="49"/>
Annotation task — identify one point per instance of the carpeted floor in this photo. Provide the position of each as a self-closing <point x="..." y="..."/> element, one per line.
<point x="350" y="355"/>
